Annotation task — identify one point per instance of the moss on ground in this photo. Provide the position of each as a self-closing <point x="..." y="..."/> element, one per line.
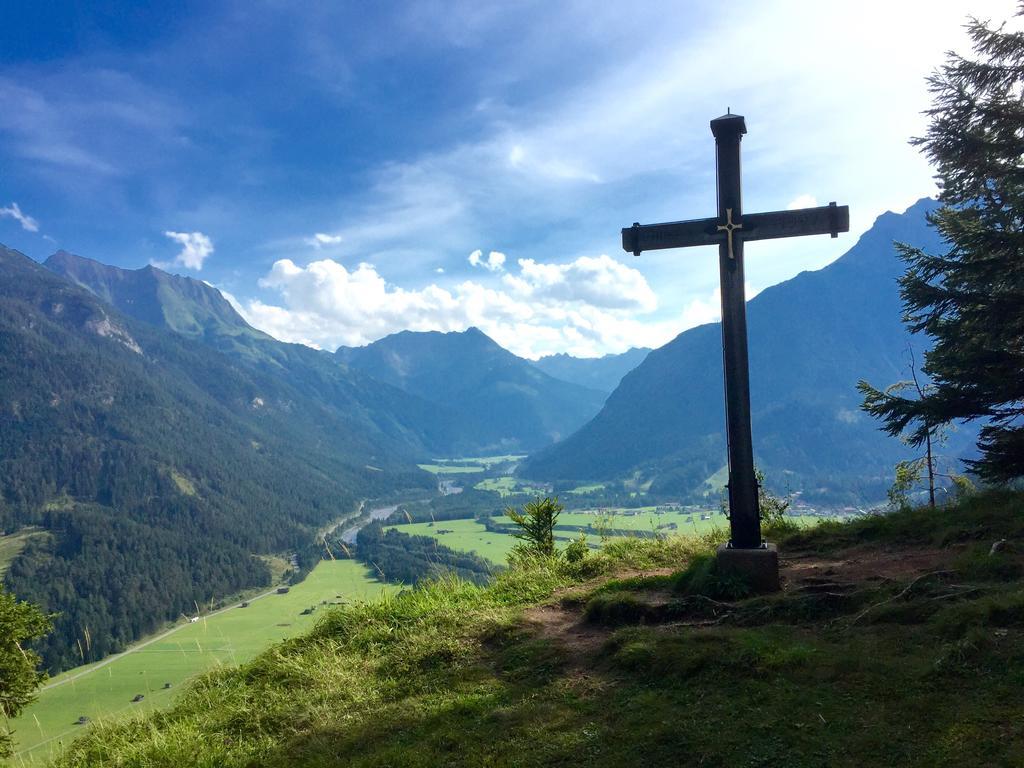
<point x="639" y="667"/>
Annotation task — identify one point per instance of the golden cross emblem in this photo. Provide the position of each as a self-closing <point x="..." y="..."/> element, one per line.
<point x="728" y="228"/>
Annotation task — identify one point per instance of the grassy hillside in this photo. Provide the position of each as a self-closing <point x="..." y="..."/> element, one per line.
<point x="156" y="465"/>
<point x="104" y="691"/>
<point x="471" y="535"/>
<point x="398" y="422"/>
<point x="896" y="641"/>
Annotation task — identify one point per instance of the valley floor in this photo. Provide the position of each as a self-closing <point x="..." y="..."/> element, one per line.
<point x="104" y="691"/>
<point x="896" y="641"/>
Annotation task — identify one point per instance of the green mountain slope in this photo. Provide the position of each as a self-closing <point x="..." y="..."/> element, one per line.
<point x="593" y="665"/>
<point x="811" y="339"/>
<point x="191" y="308"/>
<point x="500" y="401"/>
<point x="181" y="304"/>
<point x="156" y="464"/>
<point x="600" y="373"/>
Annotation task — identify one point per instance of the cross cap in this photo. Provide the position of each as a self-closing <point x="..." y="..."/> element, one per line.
<point x="728" y="126"/>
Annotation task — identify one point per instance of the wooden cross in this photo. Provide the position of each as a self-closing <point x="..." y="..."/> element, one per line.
<point x="730" y="230"/>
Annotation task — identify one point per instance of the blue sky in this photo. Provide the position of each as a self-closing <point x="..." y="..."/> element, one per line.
<point x="335" y="167"/>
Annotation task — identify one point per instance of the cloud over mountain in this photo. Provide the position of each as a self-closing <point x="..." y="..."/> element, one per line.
<point x="27" y="222"/>
<point x="195" y="249"/>
<point x="586" y="305"/>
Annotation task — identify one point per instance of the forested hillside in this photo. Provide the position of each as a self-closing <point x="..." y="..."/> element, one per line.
<point x="192" y="308"/>
<point x="156" y="465"/>
<point x="811" y="339"/>
<point x="501" y="402"/>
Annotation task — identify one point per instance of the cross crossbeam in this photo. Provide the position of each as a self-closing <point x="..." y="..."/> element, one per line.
<point x="828" y="219"/>
<point x="729" y="230"/>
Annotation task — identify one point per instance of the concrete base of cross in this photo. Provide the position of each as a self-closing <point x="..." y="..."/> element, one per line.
<point x="757" y="568"/>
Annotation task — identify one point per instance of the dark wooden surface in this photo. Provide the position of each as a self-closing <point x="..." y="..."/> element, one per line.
<point x="823" y="220"/>
<point x="831" y="219"/>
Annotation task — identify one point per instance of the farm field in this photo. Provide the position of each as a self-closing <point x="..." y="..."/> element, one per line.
<point x="228" y="638"/>
<point x="463" y="535"/>
<point x="485" y="461"/>
<point x="468" y="465"/>
<point x="508" y="485"/>
<point x="451" y="469"/>
<point x="471" y="536"/>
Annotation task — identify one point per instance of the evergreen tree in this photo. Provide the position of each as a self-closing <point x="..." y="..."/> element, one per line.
<point x="20" y="624"/>
<point x="970" y="300"/>
<point x="537" y="525"/>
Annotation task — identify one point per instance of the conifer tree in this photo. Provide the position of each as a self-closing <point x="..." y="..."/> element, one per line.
<point x="20" y="624"/>
<point x="970" y="300"/>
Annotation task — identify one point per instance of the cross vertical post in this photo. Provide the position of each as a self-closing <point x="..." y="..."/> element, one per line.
<point x="744" y="515"/>
<point x="745" y="555"/>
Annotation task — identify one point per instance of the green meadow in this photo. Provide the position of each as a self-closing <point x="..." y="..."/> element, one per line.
<point x="464" y="535"/>
<point x="467" y="465"/>
<point x="104" y="691"/>
<point x="485" y="461"/>
<point x="12" y="544"/>
<point x="471" y="536"/>
<point x="507" y="485"/>
<point x="451" y="469"/>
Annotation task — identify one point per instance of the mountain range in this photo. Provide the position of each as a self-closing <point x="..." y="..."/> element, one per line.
<point x="401" y="423"/>
<point x="126" y="449"/>
<point x="147" y="429"/>
<point x="811" y="339"/>
<point x="502" y="401"/>
<point x="600" y="373"/>
<point x="446" y="393"/>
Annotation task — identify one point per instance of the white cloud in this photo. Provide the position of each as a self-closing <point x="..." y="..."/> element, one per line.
<point x="195" y="249"/>
<point x="495" y="261"/>
<point x="587" y="307"/>
<point x="319" y="240"/>
<point x="27" y="222"/>
<point x="575" y="165"/>
<point x="439" y="270"/>
<point x="802" y="201"/>
<point x="599" y="281"/>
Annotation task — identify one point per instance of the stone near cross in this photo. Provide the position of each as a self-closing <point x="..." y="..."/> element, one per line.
<point x="745" y="553"/>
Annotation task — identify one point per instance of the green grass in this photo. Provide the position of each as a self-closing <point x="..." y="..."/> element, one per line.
<point x="716" y="483"/>
<point x="464" y="535"/>
<point x="357" y="662"/>
<point x="184" y="485"/>
<point x="911" y="672"/>
<point x="592" y="488"/>
<point x="450" y="469"/>
<point x="507" y="486"/>
<point x="12" y="544"/>
<point x="467" y="465"/>
<point x="229" y="638"/>
<point x="471" y="536"/>
<point x="485" y="461"/>
<point x="921" y="672"/>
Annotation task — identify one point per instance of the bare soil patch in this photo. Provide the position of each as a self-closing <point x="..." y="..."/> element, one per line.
<point x="562" y="622"/>
<point x="862" y="565"/>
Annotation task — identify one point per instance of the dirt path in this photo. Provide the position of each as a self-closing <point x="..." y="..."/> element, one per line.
<point x="563" y="622"/>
